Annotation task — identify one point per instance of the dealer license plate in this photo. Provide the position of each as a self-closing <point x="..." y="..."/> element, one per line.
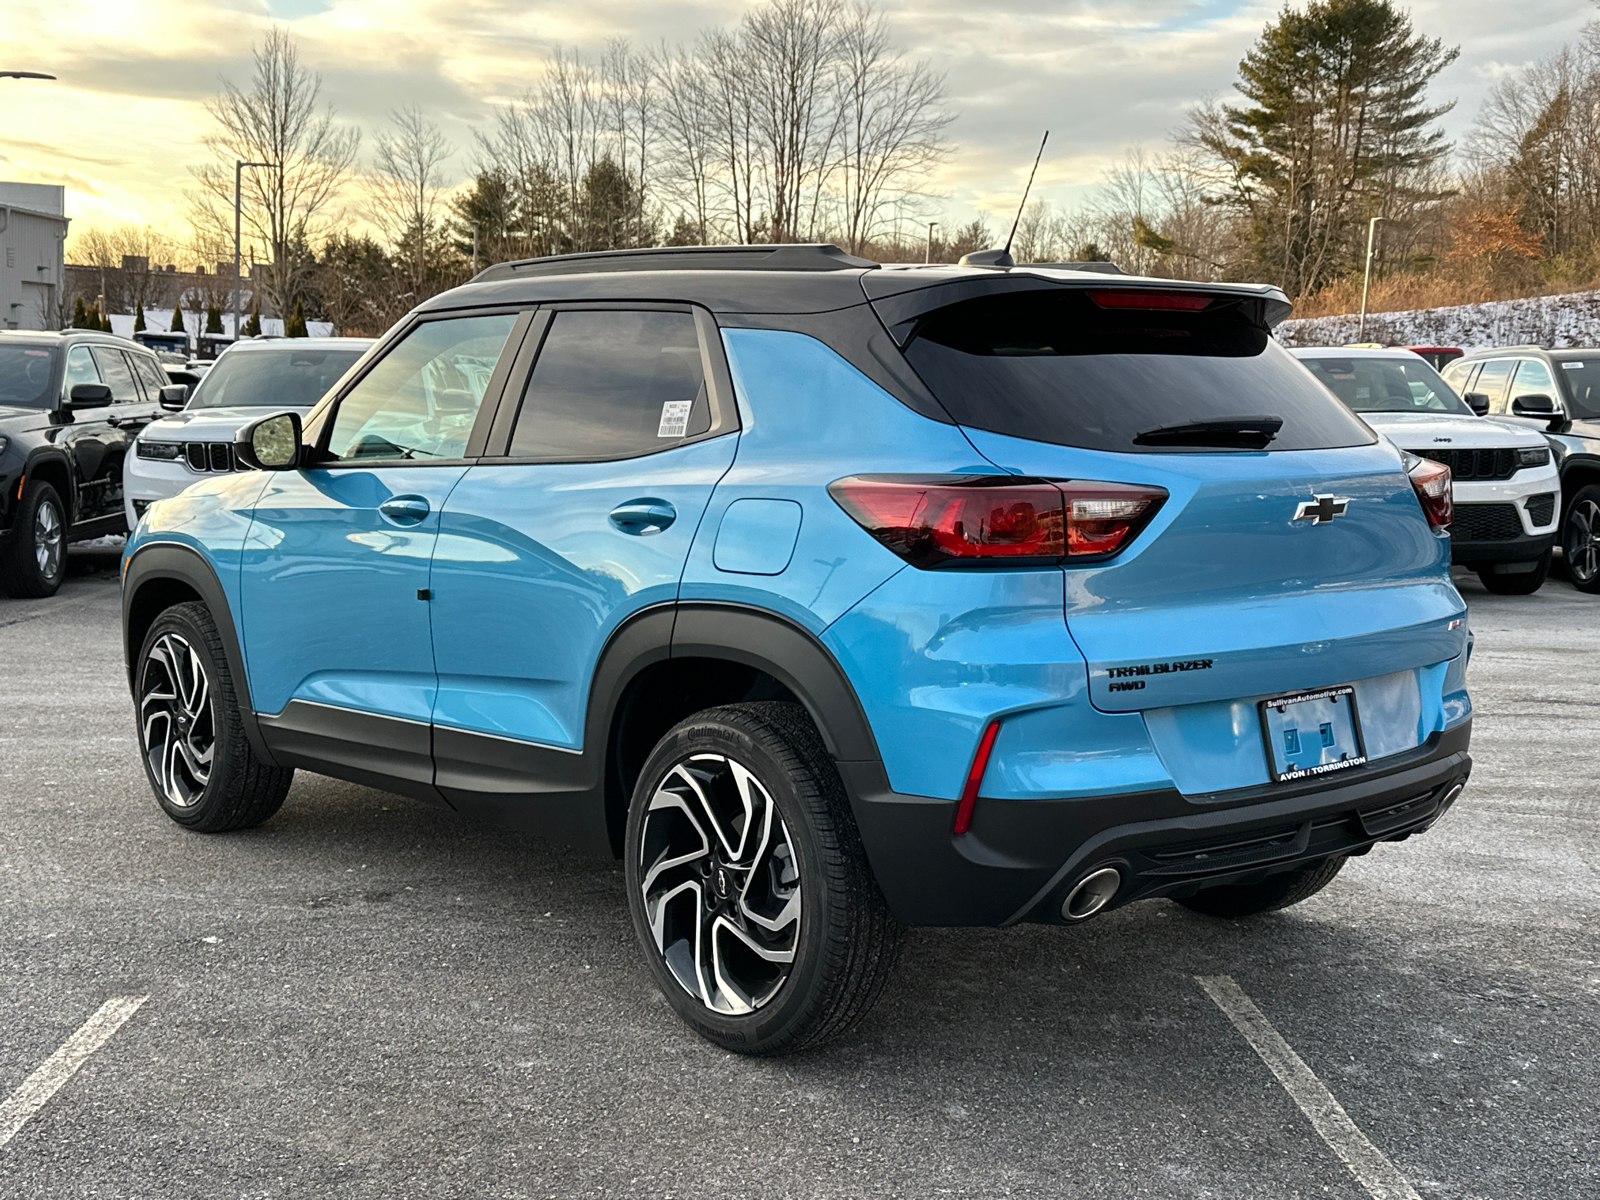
<point x="1312" y="733"/>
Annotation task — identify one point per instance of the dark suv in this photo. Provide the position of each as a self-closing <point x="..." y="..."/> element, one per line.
<point x="831" y="598"/>
<point x="71" y="405"/>
<point x="1558" y="392"/>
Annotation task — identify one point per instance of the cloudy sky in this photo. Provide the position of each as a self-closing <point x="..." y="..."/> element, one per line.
<point x="124" y="122"/>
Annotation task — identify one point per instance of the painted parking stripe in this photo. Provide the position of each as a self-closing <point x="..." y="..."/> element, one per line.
<point x="61" y="1066"/>
<point x="1367" y="1163"/>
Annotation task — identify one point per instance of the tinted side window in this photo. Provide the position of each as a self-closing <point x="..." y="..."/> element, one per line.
<point x="613" y="385"/>
<point x="420" y="400"/>
<point x="117" y="375"/>
<point x="1491" y="381"/>
<point x="152" y="376"/>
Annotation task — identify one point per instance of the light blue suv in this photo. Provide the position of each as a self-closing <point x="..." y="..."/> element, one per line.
<point x="833" y="598"/>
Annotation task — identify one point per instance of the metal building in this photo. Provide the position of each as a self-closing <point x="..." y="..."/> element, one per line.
<point x="33" y="227"/>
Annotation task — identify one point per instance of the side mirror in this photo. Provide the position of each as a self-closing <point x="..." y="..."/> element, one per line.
<point x="271" y="443"/>
<point x="88" y="395"/>
<point x="1478" y="402"/>
<point x="174" y="396"/>
<point x="1535" y="404"/>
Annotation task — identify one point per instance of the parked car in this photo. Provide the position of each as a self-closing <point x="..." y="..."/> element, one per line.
<point x="180" y="373"/>
<point x="1506" y="488"/>
<point x="1437" y="357"/>
<point x="249" y="376"/>
<point x="163" y="342"/>
<point x="832" y="599"/>
<point x="1555" y="392"/>
<point x="70" y="405"/>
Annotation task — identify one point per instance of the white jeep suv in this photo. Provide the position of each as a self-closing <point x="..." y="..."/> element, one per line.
<point x="1507" y="490"/>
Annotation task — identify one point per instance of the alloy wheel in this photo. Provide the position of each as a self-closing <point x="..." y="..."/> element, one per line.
<point x="1583" y="541"/>
<point x="176" y="722"/>
<point x="721" y="884"/>
<point x="47" y="540"/>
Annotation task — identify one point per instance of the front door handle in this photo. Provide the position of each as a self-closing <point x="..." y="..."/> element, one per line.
<point x="644" y="516"/>
<point x="404" y="510"/>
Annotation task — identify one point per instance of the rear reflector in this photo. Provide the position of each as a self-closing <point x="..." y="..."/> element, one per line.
<point x="1181" y="301"/>
<point x="995" y="520"/>
<point x="969" y="793"/>
<point x="1432" y="484"/>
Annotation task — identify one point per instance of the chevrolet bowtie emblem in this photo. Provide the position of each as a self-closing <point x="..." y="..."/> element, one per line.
<point x="1322" y="510"/>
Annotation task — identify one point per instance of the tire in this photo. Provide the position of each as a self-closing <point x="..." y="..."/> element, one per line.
<point x="1520" y="583"/>
<point x="796" y="952"/>
<point x="35" y="562"/>
<point x="1272" y="893"/>
<point x="191" y="737"/>
<point x="1580" y="539"/>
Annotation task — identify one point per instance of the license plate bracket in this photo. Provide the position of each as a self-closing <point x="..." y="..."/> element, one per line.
<point x="1307" y="734"/>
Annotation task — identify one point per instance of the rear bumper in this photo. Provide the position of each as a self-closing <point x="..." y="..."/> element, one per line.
<point x="1022" y="857"/>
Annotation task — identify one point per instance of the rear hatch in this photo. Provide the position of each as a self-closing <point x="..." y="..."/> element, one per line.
<point x="1246" y="583"/>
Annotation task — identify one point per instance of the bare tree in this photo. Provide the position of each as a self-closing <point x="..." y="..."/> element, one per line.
<point x="680" y="80"/>
<point x="279" y="119"/>
<point x="405" y="188"/>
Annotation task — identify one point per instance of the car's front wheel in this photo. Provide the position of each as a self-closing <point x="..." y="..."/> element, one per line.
<point x="748" y="885"/>
<point x="1580" y="539"/>
<point x="191" y="737"/>
<point x="35" y="562"/>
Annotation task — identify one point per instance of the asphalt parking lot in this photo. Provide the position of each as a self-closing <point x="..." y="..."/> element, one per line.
<point x="369" y="997"/>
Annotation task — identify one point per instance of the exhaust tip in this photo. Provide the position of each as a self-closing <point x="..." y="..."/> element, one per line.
<point x="1094" y="892"/>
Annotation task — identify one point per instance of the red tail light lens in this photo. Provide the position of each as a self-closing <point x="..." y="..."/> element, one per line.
<point x="1431" y="482"/>
<point x="940" y="520"/>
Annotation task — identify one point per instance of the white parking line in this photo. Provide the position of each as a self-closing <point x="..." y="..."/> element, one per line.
<point x="1367" y="1163"/>
<point x="37" y="1088"/>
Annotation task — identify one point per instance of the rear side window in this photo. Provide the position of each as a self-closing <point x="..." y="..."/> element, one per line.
<point x="152" y="376"/>
<point x="613" y="384"/>
<point x="1058" y="367"/>
<point x="117" y="375"/>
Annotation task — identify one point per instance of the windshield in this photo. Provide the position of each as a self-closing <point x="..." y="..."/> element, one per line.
<point x="1387" y="385"/>
<point x="25" y="375"/>
<point x="284" y="377"/>
<point x="1058" y="366"/>
<point x="1583" y="387"/>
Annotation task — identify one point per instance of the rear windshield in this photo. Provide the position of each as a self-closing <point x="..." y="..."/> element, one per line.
<point x="285" y="377"/>
<point x="1056" y="367"/>
<point x="1583" y="387"/>
<point x="1386" y="385"/>
<point x="25" y="375"/>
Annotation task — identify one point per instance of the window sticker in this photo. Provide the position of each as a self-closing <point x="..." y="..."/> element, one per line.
<point x="1571" y="366"/>
<point x="674" y="419"/>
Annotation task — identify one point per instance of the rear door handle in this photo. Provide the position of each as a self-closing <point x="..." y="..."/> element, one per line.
<point x="644" y="516"/>
<point x="404" y="510"/>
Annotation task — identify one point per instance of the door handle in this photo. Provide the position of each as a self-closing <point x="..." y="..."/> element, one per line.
<point x="643" y="517"/>
<point x="404" y="510"/>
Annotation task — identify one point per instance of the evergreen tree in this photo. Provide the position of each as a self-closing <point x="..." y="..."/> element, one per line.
<point x="177" y="320"/>
<point x="138" y="318"/>
<point x="296" y="325"/>
<point x="80" y="315"/>
<point x="214" y="319"/>
<point x="91" y="317"/>
<point x="252" y="325"/>
<point x="105" y="322"/>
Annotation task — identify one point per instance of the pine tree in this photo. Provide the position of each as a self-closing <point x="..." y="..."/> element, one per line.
<point x="177" y="320"/>
<point x="105" y="323"/>
<point x="91" y="317"/>
<point x="296" y="326"/>
<point x="252" y="327"/>
<point x="80" y="315"/>
<point x="213" y="319"/>
<point x="138" y="318"/>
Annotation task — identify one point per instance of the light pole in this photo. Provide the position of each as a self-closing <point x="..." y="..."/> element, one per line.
<point x="238" y="176"/>
<point x="927" y="255"/>
<point x="1366" y="281"/>
<point x="474" y="225"/>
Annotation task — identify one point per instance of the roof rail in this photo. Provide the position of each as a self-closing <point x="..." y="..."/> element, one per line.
<point x="815" y="257"/>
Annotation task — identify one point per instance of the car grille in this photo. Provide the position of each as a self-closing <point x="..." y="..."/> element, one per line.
<point x="211" y="456"/>
<point x="1485" y="523"/>
<point x="1542" y="508"/>
<point x="1476" y="464"/>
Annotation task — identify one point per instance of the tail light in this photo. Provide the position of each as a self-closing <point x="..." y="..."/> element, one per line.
<point x="993" y="520"/>
<point x="1431" y="482"/>
<point x="1178" y="301"/>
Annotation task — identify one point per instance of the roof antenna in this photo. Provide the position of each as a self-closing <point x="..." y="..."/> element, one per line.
<point x="1002" y="258"/>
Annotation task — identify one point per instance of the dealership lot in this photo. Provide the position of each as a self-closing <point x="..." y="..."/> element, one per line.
<point x="368" y="997"/>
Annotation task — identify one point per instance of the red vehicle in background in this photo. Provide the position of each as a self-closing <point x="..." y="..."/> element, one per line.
<point x="1438" y="356"/>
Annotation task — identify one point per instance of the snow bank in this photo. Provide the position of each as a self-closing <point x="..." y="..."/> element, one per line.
<point x="1572" y="319"/>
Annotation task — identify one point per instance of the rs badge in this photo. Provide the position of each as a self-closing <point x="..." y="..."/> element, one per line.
<point x="1322" y="510"/>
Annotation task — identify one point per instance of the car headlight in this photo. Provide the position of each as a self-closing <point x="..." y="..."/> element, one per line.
<point x="1533" y="456"/>
<point x="161" y="451"/>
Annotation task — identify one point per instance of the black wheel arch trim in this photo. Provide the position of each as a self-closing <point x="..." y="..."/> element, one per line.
<point x="184" y="564"/>
<point x="51" y="457"/>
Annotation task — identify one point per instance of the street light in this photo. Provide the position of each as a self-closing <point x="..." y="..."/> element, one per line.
<point x="1366" y="281"/>
<point x="927" y="255"/>
<point x="238" y="176"/>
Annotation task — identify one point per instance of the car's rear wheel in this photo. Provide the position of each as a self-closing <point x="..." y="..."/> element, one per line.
<point x="748" y="885"/>
<point x="35" y="562"/>
<point x="1272" y="893"/>
<point x="1516" y="583"/>
<point x="191" y="737"/>
<point x="1580" y="539"/>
